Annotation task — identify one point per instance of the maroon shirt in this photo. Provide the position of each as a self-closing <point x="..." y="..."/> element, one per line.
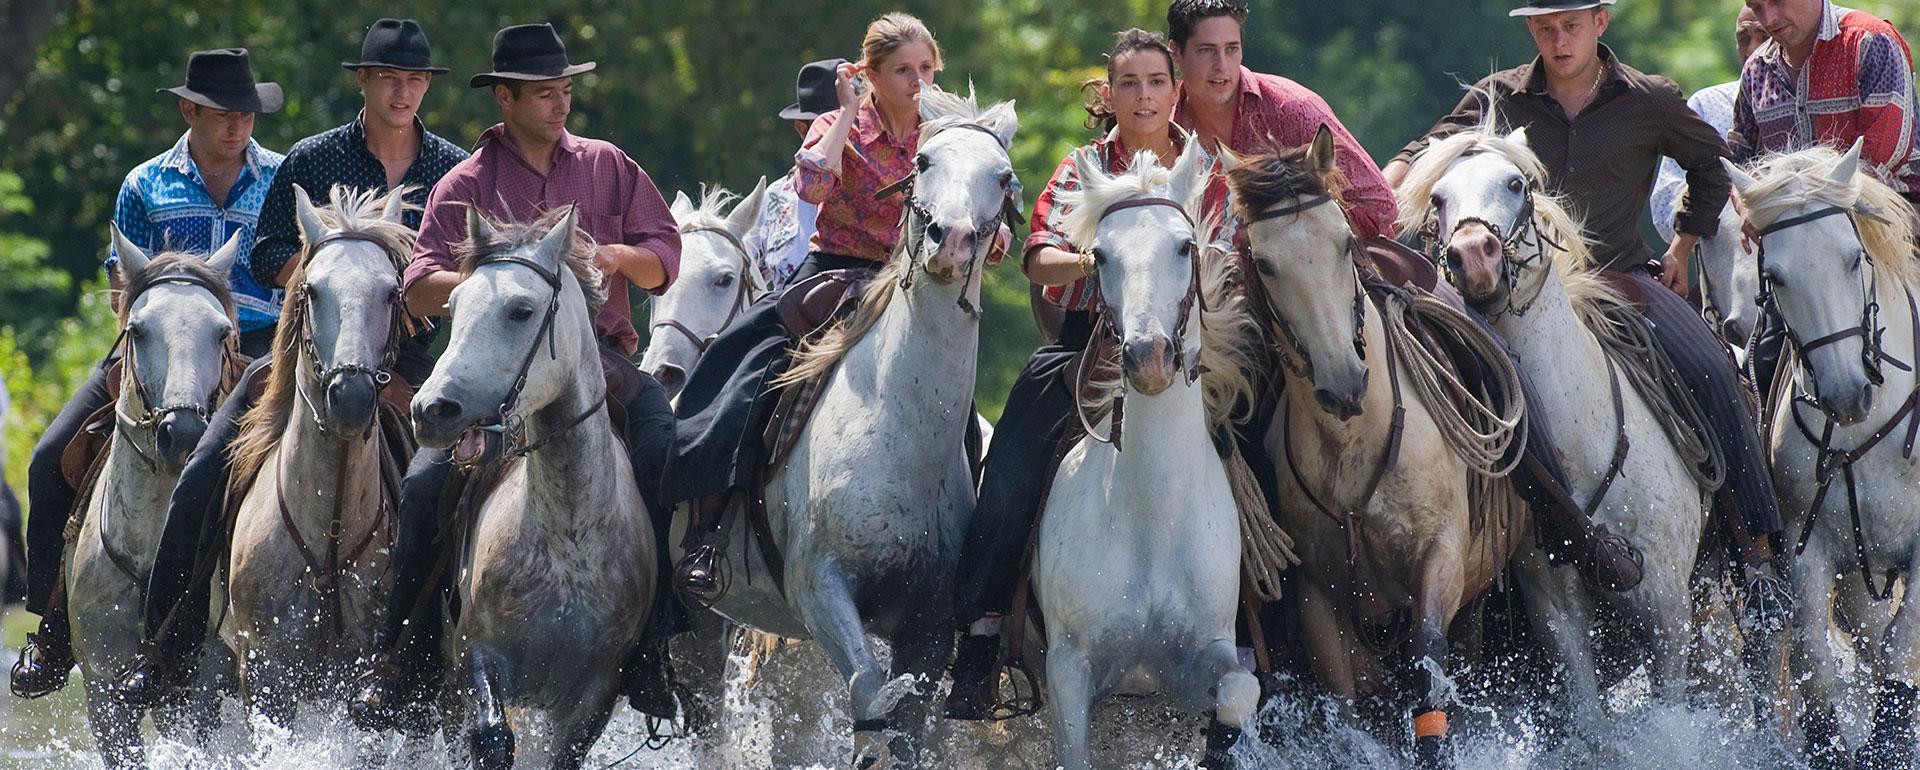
<point x="618" y="205"/>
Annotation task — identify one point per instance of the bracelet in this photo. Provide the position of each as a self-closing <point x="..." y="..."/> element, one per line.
<point x="1087" y="264"/>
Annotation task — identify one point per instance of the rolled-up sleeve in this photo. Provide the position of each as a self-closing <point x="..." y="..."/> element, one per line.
<point x="812" y="181"/>
<point x="443" y="225"/>
<point x="649" y="224"/>
<point x="1886" y="105"/>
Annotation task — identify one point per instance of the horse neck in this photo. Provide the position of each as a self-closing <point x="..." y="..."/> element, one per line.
<point x="1164" y="433"/>
<point x="326" y="469"/>
<point x="1558" y="351"/>
<point x="561" y="483"/>
<point x="924" y="351"/>
<point x="1898" y="342"/>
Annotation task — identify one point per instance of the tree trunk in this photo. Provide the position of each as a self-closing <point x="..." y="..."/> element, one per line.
<point x="22" y="25"/>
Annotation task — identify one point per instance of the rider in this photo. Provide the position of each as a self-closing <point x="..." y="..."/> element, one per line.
<point x="1831" y="76"/>
<point x="840" y="167"/>
<point x="1601" y="127"/>
<point x="1134" y="106"/>
<point x="1714" y="104"/>
<point x="783" y="234"/>
<point x="193" y="197"/>
<point x="384" y="148"/>
<point x="524" y="166"/>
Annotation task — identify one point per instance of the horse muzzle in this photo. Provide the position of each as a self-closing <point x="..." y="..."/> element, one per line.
<point x="1850" y="406"/>
<point x="671" y="377"/>
<point x="438" y="422"/>
<point x="353" y="400"/>
<point x="953" y="249"/>
<point x="1474" y="257"/>
<point x="1343" y="398"/>
<point x="1148" y="363"/>
<point x="176" y="436"/>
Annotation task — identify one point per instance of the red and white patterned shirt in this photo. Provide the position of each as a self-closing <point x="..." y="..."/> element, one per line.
<point x="851" y="223"/>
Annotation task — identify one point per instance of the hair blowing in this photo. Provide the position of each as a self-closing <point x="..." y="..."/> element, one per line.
<point x="888" y="33"/>
<point x="1099" y="115"/>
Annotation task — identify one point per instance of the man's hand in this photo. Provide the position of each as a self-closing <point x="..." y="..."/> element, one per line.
<point x="1673" y="264"/>
<point x="640" y="267"/>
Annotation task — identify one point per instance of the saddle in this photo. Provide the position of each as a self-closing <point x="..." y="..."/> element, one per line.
<point x="1399" y="265"/>
<point x="807" y="307"/>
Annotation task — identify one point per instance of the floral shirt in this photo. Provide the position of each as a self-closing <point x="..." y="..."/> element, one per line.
<point x="851" y="222"/>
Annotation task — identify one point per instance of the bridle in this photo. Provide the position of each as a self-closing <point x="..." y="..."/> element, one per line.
<point x="1302" y="367"/>
<point x="1104" y="327"/>
<point x="151" y="415"/>
<point x="325" y="374"/>
<point x="742" y="295"/>
<point x="915" y="218"/>
<point x="1523" y="228"/>
<point x="506" y="434"/>
<point x="1870" y="330"/>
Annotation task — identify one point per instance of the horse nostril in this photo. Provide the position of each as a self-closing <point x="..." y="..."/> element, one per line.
<point x="935" y="232"/>
<point x="444" y="409"/>
<point x="671" y="377"/>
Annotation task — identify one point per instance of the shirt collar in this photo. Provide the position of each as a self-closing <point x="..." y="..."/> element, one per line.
<point x="867" y="123"/>
<point x="568" y="144"/>
<point x="1537" y="72"/>
<point x="357" y="133"/>
<point x="1117" y="151"/>
<point x="1830" y="20"/>
<point x="180" y="158"/>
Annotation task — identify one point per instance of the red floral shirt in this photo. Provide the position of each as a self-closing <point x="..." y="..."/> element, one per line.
<point x="851" y="222"/>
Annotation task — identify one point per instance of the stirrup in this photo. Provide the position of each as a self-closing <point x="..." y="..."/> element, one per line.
<point x="35" y="659"/>
<point x="1023" y="692"/>
<point x="719" y="576"/>
<point x="1769" y="600"/>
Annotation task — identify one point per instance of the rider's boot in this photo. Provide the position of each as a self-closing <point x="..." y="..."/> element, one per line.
<point x="699" y="575"/>
<point x="47" y="656"/>
<point x="975" y="665"/>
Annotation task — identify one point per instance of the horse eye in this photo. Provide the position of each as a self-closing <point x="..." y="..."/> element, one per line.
<point x="1006" y="179"/>
<point x="521" y="313"/>
<point x="723" y="281"/>
<point x="1262" y="266"/>
<point x="136" y="331"/>
<point x="1516" y="185"/>
<point x="921" y="162"/>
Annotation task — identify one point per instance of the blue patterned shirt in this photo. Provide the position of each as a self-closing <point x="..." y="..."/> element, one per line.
<point x="164" y="206"/>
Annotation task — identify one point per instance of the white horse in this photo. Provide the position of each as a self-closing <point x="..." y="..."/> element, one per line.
<point x="1839" y="259"/>
<point x="178" y="324"/>
<point x="308" y="574"/>
<point x="1378" y="503"/>
<point x="1137" y="565"/>
<point x="1728" y="280"/>
<point x="1515" y="253"/>
<point x="718" y="280"/>
<point x="870" y="509"/>
<point x="556" y="570"/>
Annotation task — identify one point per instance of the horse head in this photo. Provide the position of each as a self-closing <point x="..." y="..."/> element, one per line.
<point x="963" y="184"/>
<point x="1482" y="202"/>
<point x="521" y="328"/>
<point x="1302" y="248"/>
<point x="344" y="318"/>
<point x="1140" y="228"/>
<point x="1829" y="236"/>
<point x="178" y="323"/>
<point x="1729" y="279"/>
<point x="718" y="279"/>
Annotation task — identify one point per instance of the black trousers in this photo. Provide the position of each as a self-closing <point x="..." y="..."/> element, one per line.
<point x="49" y="497"/>
<point x="726" y="404"/>
<point x="649" y="429"/>
<point x="1038" y="407"/>
<point x="1712" y="378"/>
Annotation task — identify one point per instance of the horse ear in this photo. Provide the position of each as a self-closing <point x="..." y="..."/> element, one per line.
<point x="746" y="213"/>
<point x="311" y="228"/>
<point x="478" y="230"/>
<point x="557" y="242"/>
<point x="1188" y="175"/>
<point x="396" y="210"/>
<point x="222" y="259"/>
<point x="682" y="206"/>
<point x="1742" y="181"/>
<point x="1320" y="159"/>
<point x="1088" y="169"/>
<point x="1519" y="136"/>
<point x="133" y="261"/>
<point x="1848" y="166"/>
<point x="1003" y="121"/>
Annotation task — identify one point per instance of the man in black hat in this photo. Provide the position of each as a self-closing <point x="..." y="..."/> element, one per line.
<point x="383" y="148"/>
<point x="779" y="237"/>
<point x="208" y="188"/>
<point x="1601" y="127"/>
<point x="522" y="167"/>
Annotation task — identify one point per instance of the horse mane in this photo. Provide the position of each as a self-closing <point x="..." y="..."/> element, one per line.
<point x="1787" y="181"/>
<point x="361" y="212"/>
<point x="1566" y="238"/>
<point x="509" y="236"/>
<point x="939" y="111"/>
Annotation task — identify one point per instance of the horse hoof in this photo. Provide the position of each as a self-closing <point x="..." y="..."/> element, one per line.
<point x="1220" y="741"/>
<point x="492" y="747"/>
<point x="1430" y="752"/>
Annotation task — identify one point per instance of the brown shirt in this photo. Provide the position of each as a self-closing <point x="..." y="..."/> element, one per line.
<point x="1605" y="159"/>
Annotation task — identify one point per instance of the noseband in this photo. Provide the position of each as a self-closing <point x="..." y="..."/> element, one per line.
<point x="742" y="296"/>
<point x="324" y="374"/>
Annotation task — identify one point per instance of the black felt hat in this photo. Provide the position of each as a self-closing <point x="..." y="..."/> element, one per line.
<point x="814" y="90"/>
<point x="529" y="52"/>
<point x="396" y="44"/>
<point x="222" y="79"/>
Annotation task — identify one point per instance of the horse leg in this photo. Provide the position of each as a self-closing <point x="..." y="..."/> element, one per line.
<point x="1236" y="695"/>
<point x="116" y="727"/>
<point x="921" y="648"/>
<point x="1891" y="743"/>
<point x="1563" y="608"/>
<point x="1812" y="578"/>
<point x="1440" y="597"/>
<point x="1070" y="685"/>
<point x="571" y="753"/>
<point x="270" y="687"/>
<point x="1671" y="621"/>
<point x="489" y="737"/>
<point x="833" y="619"/>
<point x="1327" y="641"/>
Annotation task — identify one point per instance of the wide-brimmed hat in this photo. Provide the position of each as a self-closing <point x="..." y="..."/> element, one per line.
<point x="528" y="52"/>
<point x="813" y="90"/>
<point x="222" y="79"/>
<point x="1543" y="7"/>
<point x="396" y="44"/>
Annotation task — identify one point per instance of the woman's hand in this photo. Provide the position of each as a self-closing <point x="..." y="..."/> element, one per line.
<point x="844" y="85"/>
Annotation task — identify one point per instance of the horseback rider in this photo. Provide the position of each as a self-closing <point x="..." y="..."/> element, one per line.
<point x="1601" y="127"/>
<point x="383" y="148"/>
<point x="1829" y="75"/>
<point x="841" y="167"/>
<point x="1134" y="106"/>
<point x="522" y="167"/>
<point x="207" y="188"/>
